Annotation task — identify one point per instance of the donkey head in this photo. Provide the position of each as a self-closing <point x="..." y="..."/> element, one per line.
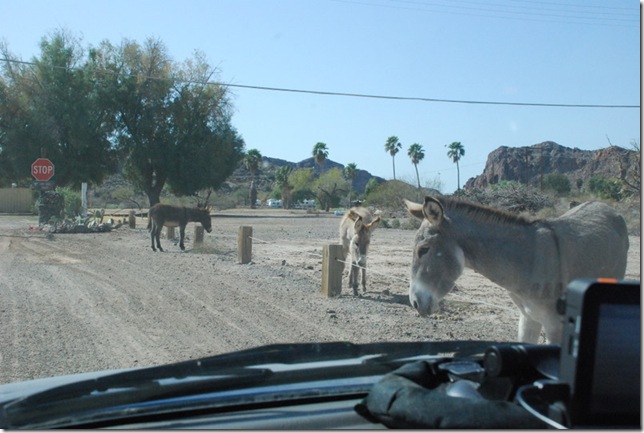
<point x="438" y="260"/>
<point x="361" y="237"/>
<point x="205" y="219"/>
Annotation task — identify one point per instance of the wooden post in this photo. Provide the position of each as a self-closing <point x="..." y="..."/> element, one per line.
<point x="332" y="270"/>
<point x="132" y="219"/>
<point x="169" y="233"/>
<point x="244" y="244"/>
<point x="198" y="234"/>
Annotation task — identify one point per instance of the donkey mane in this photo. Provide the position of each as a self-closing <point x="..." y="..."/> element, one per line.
<point x="484" y="213"/>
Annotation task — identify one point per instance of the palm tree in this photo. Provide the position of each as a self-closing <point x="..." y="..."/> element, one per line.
<point x="350" y="172"/>
<point x="416" y="154"/>
<point x="252" y="159"/>
<point x="393" y="146"/>
<point x="281" y="180"/>
<point x="320" y="154"/>
<point x="456" y="152"/>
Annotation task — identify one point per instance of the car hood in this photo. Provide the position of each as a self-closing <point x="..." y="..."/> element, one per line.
<point x="260" y="374"/>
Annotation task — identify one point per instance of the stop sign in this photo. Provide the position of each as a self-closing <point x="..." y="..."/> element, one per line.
<point x="42" y="169"/>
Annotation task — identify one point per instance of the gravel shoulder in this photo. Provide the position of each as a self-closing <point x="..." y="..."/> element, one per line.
<point x="72" y="303"/>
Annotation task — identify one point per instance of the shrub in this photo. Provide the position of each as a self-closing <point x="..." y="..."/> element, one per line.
<point x="605" y="188"/>
<point x="410" y="224"/>
<point x="509" y="195"/>
<point x="558" y="183"/>
<point x="394" y="223"/>
<point x="73" y="201"/>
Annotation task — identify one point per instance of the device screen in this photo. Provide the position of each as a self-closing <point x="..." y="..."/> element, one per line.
<point x="616" y="373"/>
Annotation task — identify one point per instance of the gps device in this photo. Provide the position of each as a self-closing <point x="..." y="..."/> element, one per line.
<point x="601" y="352"/>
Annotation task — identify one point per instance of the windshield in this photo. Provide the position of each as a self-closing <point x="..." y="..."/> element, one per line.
<point x="182" y="180"/>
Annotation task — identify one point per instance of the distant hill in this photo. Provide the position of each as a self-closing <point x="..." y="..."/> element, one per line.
<point x="266" y="173"/>
<point x="530" y="164"/>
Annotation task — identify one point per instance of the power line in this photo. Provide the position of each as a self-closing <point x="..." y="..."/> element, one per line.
<point x="538" y="15"/>
<point x="365" y="95"/>
<point x="423" y="99"/>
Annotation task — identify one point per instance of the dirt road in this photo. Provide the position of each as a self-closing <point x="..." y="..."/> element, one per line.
<point x="81" y="302"/>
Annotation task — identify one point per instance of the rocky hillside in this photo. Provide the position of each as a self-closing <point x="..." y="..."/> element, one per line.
<point x="531" y="163"/>
<point x="266" y="173"/>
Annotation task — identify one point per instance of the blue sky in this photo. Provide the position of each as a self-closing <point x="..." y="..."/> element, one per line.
<point x="516" y="51"/>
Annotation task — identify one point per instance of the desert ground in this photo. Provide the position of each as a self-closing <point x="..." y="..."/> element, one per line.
<point x="72" y="303"/>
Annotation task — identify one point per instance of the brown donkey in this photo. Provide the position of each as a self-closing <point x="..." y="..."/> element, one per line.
<point x="172" y="216"/>
<point x="355" y="232"/>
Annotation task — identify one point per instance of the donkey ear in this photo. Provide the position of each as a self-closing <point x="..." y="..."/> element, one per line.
<point x="358" y="224"/>
<point x="374" y="223"/>
<point x="433" y="211"/>
<point x="415" y="209"/>
<point x="353" y="215"/>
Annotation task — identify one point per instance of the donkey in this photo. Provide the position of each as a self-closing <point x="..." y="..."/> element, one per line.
<point x="167" y="215"/>
<point x="533" y="259"/>
<point x="355" y="232"/>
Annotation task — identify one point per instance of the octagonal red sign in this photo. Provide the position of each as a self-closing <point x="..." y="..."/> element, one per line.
<point x="42" y="169"/>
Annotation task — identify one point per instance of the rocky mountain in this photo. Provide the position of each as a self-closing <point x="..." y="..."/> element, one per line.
<point x="530" y="164"/>
<point x="269" y="167"/>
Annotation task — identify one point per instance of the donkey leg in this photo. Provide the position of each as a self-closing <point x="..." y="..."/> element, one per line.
<point x="152" y="230"/>
<point x="158" y="236"/>
<point x="364" y="277"/>
<point x="182" y="232"/>
<point x="353" y="279"/>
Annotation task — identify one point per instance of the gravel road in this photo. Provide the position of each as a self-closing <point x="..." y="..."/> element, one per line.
<point x="72" y="303"/>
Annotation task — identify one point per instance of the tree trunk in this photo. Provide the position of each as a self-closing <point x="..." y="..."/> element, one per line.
<point x="253" y="194"/>
<point x="393" y="163"/>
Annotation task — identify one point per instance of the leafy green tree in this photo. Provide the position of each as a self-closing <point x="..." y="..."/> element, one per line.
<point x="456" y="152"/>
<point x="393" y="146"/>
<point x="372" y="184"/>
<point x="52" y="108"/>
<point x="416" y="154"/>
<point x="282" y="182"/>
<point x="320" y="154"/>
<point x="252" y="160"/>
<point x="389" y="194"/>
<point x="173" y="124"/>
<point x="302" y="181"/>
<point x="350" y="172"/>
<point x="330" y="187"/>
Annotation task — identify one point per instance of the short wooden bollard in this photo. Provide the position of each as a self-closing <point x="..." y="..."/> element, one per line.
<point x="244" y="244"/>
<point x="132" y="219"/>
<point x="198" y="235"/>
<point x="332" y="269"/>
